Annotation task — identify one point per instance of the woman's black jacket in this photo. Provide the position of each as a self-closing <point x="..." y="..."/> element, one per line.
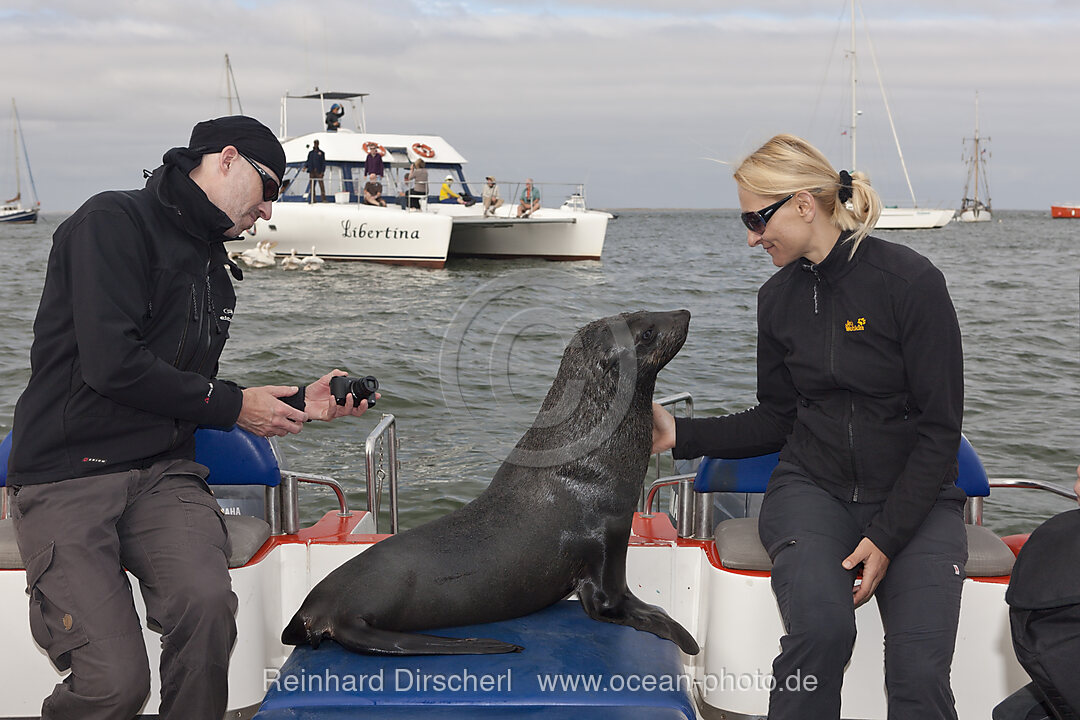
<point x="860" y="383"/>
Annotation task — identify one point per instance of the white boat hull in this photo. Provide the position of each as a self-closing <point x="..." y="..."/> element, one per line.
<point x="913" y="219"/>
<point x="350" y="231"/>
<point x="551" y="234"/>
<point x="732" y="614"/>
<point x="979" y="215"/>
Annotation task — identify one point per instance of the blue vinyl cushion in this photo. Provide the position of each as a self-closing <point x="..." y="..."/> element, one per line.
<point x="5" y="450"/>
<point x="751" y="475"/>
<point x="629" y="667"/>
<point x="235" y="457"/>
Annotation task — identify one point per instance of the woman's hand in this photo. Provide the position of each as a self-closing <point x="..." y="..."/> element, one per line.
<point x="875" y="563"/>
<point x="663" y="430"/>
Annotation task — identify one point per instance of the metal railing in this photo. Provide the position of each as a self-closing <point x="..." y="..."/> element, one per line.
<point x="973" y="508"/>
<point x="283" y="502"/>
<point x="693" y="511"/>
<point x="380" y="451"/>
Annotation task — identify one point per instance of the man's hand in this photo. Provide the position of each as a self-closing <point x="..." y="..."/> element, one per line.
<point x="264" y="414"/>
<point x="663" y="429"/>
<point x="875" y="563"/>
<point x="320" y="404"/>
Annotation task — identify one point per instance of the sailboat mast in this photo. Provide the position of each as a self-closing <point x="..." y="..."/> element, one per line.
<point x="977" y="156"/>
<point x="230" y="86"/>
<point x="15" y="145"/>
<point x="854" y="106"/>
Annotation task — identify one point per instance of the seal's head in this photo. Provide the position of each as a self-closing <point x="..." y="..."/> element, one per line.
<point x="603" y="390"/>
<point x="630" y="347"/>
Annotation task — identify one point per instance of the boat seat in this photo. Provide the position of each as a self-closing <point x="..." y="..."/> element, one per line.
<point x="739" y="548"/>
<point x="561" y="643"/>
<point x="235" y="457"/>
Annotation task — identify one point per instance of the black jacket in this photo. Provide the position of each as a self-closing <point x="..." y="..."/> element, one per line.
<point x="134" y="314"/>
<point x="860" y="383"/>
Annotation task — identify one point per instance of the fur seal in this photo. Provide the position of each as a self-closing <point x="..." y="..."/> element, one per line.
<point x="555" y="519"/>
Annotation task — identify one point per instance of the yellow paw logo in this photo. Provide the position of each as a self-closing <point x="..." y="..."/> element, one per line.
<point x="857" y="326"/>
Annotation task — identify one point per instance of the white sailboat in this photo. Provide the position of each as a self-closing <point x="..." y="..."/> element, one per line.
<point x="972" y="206"/>
<point x="13" y="210"/>
<point x="892" y="218"/>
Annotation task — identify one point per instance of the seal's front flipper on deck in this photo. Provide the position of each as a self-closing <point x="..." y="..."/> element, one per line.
<point x="625" y="609"/>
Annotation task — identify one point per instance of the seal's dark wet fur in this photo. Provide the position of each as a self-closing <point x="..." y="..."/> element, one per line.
<point x="554" y="520"/>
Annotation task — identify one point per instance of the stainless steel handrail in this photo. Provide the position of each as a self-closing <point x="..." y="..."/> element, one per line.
<point x="693" y="513"/>
<point x="343" y="503"/>
<point x="386" y="434"/>
<point x="1024" y="483"/>
<point x="663" y="482"/>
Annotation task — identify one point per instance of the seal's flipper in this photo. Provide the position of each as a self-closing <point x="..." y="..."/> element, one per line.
<point x="362" y="638"/>
<point x="640" y="616"/>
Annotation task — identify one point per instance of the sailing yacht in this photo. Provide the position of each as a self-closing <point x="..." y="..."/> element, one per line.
<point x="892" y="218"/>
<point x="13" y="210"/>
<point x="972" y="207"/>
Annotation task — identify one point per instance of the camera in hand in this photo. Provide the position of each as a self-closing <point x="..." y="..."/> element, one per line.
<point x="341" y="386"/>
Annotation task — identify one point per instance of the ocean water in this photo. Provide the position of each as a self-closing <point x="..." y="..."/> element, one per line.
<point x="464" y="355"/>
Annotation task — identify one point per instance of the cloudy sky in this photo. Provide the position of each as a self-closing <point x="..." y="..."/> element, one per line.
<point x="637" y="98"/>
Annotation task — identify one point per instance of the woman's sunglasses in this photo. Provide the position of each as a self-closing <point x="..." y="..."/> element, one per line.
<point x="271" y="188"/>
<point x="755" y="222"/>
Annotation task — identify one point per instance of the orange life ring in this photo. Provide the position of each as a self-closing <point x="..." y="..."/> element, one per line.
<point x="380" y="148"/>
<point x="423" y="150"/>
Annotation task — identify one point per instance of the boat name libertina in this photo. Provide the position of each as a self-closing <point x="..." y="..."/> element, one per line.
<point x="387" y="233"/>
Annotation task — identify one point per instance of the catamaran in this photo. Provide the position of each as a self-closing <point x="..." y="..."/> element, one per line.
<point x="13" y="210"/>
<point x="333" y="216"/>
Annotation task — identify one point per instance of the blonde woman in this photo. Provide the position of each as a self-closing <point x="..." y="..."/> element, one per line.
<point x="860" y="388"/>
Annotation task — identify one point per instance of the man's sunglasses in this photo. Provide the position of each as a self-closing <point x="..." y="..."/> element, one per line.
<point x="755" y="221"/>
<point x="271" y="188"/>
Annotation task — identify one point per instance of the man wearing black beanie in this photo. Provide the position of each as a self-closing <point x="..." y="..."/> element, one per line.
<point x="134" y="315"/>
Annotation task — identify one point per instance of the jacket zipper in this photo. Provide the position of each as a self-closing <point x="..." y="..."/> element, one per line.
<point x="183" y="335"/>
<point x="833" y="331"/>
<point x="209" y="311"/>
<point x="851" y="449"/>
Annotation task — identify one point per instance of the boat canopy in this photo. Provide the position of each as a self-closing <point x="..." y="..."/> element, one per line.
<point x="345" y="146"/>
<point x="328" y="96"/>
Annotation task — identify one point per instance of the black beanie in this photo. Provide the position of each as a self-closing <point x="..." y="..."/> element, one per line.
<point x="246" y="134"/>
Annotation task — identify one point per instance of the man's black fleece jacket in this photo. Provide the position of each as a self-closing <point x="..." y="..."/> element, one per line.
<point x="860" y="383"/>
<point x="134" y="314"/>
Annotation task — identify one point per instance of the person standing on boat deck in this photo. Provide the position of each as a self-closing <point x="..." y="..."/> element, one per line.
<point x="373" y="163"/>
<point x="373" y="192"/>
<point x="316" y="168"/>
<point x="418" y="176"/>
<point x="446" y="195"/>
<point x="860" y="388"/>
<point x="333" y="117"/>
<point x="490" y="196"/>
<point x="529" y="201"/>
<point x="135" y="311"/>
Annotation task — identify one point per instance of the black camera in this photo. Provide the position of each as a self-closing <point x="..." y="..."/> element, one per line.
<point x="341" y="386"/>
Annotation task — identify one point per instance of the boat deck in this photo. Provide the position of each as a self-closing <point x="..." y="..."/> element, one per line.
<point x="571" y="667"/>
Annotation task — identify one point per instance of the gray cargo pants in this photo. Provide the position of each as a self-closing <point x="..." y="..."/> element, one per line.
<point x="808" y="533"/>
<point x="162" y="524"/>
